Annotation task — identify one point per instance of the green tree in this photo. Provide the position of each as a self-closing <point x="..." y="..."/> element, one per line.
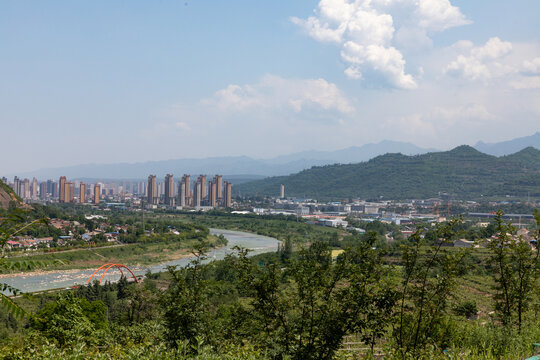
<point x="515" y="272"/>
<point x="13" y="223"/>
<point x="429" y="277"/>
<point x="305" y="310"/>
<point x="71" y="320"/>
<point x="185" y="303"/>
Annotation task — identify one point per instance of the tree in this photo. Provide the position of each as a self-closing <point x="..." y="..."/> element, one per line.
<point x="184" y="303"/>
<point x="305" y="310"/>
<point x="429" y="277"/>
<point x="515" y="271"/>
<point x="70" y="319"/>
<point x="13" y="223"/>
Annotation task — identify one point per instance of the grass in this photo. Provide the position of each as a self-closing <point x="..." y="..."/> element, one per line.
<point x="129" y="254"/>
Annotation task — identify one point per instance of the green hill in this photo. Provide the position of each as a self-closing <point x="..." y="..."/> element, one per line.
<point x="463" y="171"/>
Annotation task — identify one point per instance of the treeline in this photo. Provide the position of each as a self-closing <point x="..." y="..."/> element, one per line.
<point x="302" y="305"/>
<point x="281" y="227"/>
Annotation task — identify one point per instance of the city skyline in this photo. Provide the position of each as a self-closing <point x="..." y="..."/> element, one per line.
<point x="261" y="79"/>
<point x="168" y="192"/>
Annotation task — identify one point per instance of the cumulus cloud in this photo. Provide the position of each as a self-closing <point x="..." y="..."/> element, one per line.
<point x="366" y="32"/>
<point x="482" y="62"/>
<point x="532" y="67"/>
<point x="276" y="93"/>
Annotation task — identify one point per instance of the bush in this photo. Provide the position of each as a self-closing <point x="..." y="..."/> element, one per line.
<point x="467" y="309"/>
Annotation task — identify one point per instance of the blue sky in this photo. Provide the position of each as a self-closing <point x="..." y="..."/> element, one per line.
<point x="127" y="81"/>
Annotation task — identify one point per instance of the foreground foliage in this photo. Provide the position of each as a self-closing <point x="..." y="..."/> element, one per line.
<point x="297" y="305"/>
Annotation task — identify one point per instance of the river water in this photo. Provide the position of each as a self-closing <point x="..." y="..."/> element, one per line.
<point x="62" y="279"/>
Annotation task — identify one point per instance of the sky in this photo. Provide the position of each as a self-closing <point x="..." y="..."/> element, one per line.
<point x="133" y="81"/>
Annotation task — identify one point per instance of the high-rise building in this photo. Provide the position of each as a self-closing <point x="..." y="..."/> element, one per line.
<point x="69" y="192"/>
<point x="53" y="189"/>
<point x="227" y="190"/>
<point x="26" y="190"/>
<point x="34" y="189"/>
<point x="169" y="190"/>
<point x="17" y="186"/>
<point x="218" y="179"/>
<point x="188" y="185"/>
<point x="182" y="198"/>
<point x="197" y="192"/>
<point x="187" y="180"/>
<point x="82" y="193"/>
<point x="282" y="191"/>
<point x="43" y="190"/>
<point x="152" y="190"/>
<point x="61" y="189"/>
<point x="202" y="179"/>
<point x="212" y="194"/>
<point x="97" y="193"/>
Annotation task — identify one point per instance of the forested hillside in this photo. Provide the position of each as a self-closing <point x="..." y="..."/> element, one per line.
<point x="463" y="172"/>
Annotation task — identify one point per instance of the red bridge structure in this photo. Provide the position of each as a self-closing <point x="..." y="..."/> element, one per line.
<point x="109" y="266"/>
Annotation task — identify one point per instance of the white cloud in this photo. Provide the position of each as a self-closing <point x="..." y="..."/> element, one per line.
<point x="482" y="62"/>
<point x="365" y="30"/>
<point x="439" y="15"/>
<point x="532" y="67"/>
<point x="530" y="82"/>
<point x="276" y="93"/>
<point x="469" y="111"/>
<point x="439" y="120"/>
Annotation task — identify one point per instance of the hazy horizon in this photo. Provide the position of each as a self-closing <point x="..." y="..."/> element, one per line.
<point x="113" y="82"/>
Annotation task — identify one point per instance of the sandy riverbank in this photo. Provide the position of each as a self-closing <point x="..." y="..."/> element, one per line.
<point x="136" y="267"/>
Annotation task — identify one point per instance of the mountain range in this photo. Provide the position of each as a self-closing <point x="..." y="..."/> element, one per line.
<point x="246" y="168"/>
<point x="510" y="146"/>
<point x="463" y="172"/>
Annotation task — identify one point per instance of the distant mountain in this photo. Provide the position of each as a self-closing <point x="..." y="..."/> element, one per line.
<point x="239" y="165"/>
<point x="464" y="172"/>
<point x="510" y="146"/>
<point x="353" y="154"/>
<point x="242" y="166"/>
<point x="248" y="168"/>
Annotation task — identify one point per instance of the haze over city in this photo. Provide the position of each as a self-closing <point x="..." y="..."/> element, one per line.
<point x="107" y="82"/>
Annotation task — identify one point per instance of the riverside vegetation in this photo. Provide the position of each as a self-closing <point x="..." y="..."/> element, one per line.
<point x="413" y="299"/>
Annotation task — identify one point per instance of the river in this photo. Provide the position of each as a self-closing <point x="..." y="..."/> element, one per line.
<point x="62" y="279"/>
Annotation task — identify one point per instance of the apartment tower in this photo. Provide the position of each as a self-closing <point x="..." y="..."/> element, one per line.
<point x="169" y="190"/>
<point x="227" y="187"/>
<point x="82" y="193"/>
<point x="212" y="194"/>
<point x="152" y="190"/>
<point x="97" y="192"/>
<point x="218" y="179"/>
<point x="69" y="192"/>
<point x="197" y="192"/>
<point x="43" y="190"/>
<point x="61" y="189"/>
<point x="182" y="195"/>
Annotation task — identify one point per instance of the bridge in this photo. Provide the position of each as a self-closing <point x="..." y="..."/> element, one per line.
<point x="109" y="266"/>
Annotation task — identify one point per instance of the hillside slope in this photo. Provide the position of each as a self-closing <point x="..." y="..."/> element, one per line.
<point x="463" y="171"/>
<point x="7" y="195"/>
